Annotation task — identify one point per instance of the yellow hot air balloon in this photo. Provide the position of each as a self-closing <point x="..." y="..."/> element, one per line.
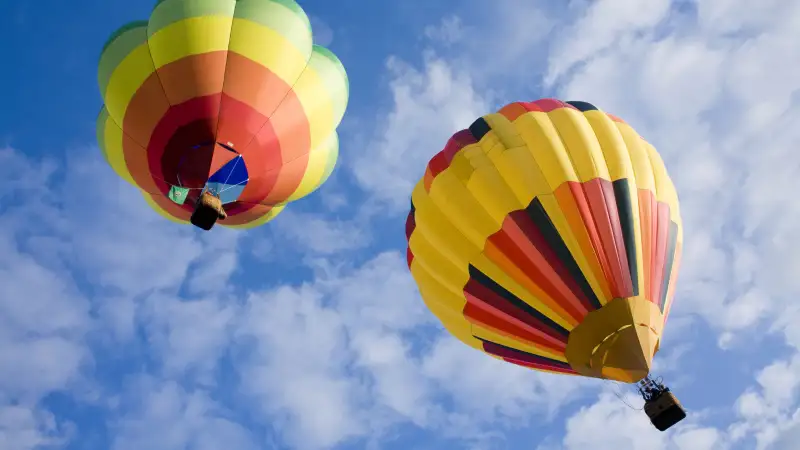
<point x="548" y="235"/>
<point x="221" y="109"/>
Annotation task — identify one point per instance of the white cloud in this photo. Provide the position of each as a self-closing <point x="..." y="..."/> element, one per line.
<point x="71" y="239"/>
<point x="727" y="16"/>
<point x="295" y="367"/>
<point x="26" y="428"/>
<point x="789" y="436"/>
<point x="500" y="44"/>
<point x="449" y="31"/>
<point x="492" y="390"/>
<point x="429" y="106"/>
<point x="322" y="32"/>
<point x="312" y="233"/>
<point x="610" y="424"/>
<point x="770" y="409"/>
<point x="189" y="335"/>
<point x="210" y="272"/>
<point x="603" y="25"/>
<point x="355" y="353"/>
<point x="25" y="179"/>
<point x="167" y="417"/>
<point x="617" y="422"/>
<point x="112" y="235"/>
<point x="43" y="315"/>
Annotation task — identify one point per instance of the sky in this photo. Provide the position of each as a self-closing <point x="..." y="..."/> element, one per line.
<point x="120" y="330"/>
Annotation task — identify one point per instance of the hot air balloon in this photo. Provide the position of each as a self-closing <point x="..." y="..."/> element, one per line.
<point x="548" y="235"/>
<point x="221" y="109"/>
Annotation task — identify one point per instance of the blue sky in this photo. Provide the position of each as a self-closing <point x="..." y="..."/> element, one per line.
<point x="120" y="330"/>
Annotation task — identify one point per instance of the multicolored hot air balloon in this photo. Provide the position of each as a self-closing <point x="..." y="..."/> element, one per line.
<point x="548" y="235"/>
<point x="221" y="104"/>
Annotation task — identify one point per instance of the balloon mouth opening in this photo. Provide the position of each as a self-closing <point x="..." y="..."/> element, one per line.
<point x="618" y="341"/>
<point x="622" y="354"/>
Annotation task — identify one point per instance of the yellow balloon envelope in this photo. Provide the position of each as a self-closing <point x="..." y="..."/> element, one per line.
<point x="548" y="235"/>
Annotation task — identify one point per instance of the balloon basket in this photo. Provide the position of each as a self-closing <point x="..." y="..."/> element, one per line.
<point x="206" y="212"/>
<point x="664" y="411"/>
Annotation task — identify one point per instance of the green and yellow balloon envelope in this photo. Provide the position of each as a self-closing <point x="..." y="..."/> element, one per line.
<point x="229" y="95"/>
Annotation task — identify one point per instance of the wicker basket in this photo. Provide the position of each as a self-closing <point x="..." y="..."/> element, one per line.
<point x="664" y="411"/>
<point x="207" y="211"/>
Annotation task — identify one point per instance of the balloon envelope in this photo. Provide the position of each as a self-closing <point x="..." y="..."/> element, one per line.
<point x="548" y="235"/>
<point x="227" y="95"/>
